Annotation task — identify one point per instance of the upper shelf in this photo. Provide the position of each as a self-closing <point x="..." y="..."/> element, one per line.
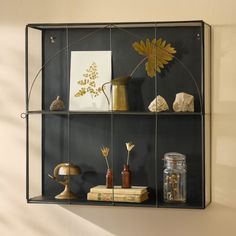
<point x="53" y="55"/>
<point x="116" y="113"/>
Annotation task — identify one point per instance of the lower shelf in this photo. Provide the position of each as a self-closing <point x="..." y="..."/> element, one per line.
<point x="83" y="201"/>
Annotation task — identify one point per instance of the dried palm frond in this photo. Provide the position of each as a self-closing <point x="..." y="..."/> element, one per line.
<point x="157" y="52"/>
<point x="105" y="153"/>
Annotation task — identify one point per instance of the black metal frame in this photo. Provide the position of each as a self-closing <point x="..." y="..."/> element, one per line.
<point x="28" y="112"/>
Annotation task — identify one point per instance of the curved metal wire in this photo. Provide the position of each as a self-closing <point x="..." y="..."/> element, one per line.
<point x="193" y="79"/>
<point x="57" y="53"/>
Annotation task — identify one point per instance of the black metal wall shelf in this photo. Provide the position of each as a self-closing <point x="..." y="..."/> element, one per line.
<point x="75" y="137"/>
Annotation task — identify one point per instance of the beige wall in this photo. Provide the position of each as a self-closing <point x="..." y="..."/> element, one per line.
<point x="18" y="218"/>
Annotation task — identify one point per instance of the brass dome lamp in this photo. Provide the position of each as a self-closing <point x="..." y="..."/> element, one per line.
<point x="66" y="170"/>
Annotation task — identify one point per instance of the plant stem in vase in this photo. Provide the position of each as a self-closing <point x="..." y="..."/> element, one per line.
<point x="126" y="173"/>
<point x="109" y="175"/>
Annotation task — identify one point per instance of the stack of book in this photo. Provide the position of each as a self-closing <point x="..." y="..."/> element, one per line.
<point x="135" y="194"/>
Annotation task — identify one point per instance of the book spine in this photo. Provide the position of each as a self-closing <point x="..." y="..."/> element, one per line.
<point x="117" y="197"/>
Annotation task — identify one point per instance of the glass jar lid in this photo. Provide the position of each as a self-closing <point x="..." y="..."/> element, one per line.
<point x="174" y="156"/>
<point x="174" y="160"/>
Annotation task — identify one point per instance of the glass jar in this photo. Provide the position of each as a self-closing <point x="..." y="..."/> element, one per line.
<point x="174" y="178"/>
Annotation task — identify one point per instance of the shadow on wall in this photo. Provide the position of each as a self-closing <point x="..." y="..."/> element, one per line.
<point x="149" y="221"/>
<point x="218" y="218"/>
<point x="11" y="86"/>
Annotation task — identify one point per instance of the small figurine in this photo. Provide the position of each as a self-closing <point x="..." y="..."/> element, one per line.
<point x="57" y="105"/>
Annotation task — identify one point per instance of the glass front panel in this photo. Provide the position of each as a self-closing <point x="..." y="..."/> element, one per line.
<point x="133" y="125"/>
<point x="34" y="56"/>
<point x="182" y="134"/>
<point x="34" y="153"/>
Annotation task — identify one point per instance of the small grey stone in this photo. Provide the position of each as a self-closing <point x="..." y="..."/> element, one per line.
<point x="57" y="105"/>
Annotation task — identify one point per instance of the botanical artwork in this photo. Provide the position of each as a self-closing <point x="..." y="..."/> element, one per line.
<point x="89" y="71"/>
<point x="88" y="83"/>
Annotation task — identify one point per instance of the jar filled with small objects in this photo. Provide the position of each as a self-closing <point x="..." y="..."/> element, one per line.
<point x="174" y="178"/>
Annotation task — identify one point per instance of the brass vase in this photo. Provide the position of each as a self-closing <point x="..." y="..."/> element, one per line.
<point x="119" y="94"/>
<point x="109" y="178"/>
<point x="126" y="177"/>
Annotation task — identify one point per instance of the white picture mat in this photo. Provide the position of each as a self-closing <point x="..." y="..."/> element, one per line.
<point x="80" y="63"/>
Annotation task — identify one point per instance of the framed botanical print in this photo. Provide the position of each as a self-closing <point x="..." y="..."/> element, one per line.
<point x="89" y="70"/>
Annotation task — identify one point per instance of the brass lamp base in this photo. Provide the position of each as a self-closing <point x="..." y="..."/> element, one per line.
<point x="66" y="194"/>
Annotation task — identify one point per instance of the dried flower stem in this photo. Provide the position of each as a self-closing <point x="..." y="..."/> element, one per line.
<point x="128" y="158"/>
<point x="108" y="167"/>
<point x="105" y="153"/>
<point x="129" y="147"/>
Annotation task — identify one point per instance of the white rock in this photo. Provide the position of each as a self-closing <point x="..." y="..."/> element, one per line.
<point x="158" y="104"/>
<point x="183" y="102"/>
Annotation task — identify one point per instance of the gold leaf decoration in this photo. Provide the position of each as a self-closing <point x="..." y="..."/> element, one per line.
<point x="158" y="53"/>
<point x="88" y="84"/>
<point x="105" y="151"/>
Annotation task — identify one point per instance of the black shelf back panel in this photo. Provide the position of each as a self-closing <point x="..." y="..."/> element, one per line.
<point x="87" y="133"/>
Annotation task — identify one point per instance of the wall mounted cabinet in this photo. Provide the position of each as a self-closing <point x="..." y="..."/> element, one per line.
<point x="76" y="137"/>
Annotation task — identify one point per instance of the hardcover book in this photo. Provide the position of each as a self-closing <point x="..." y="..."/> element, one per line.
<point x="119" y="190"/>
<point x="109" y="197"/>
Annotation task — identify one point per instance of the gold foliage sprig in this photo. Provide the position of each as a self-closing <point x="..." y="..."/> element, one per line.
<point x="105" y="153"/>
<point x="129" y="147"/>
<point x="88" y="84"/>
<point x="158" y="53"/>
